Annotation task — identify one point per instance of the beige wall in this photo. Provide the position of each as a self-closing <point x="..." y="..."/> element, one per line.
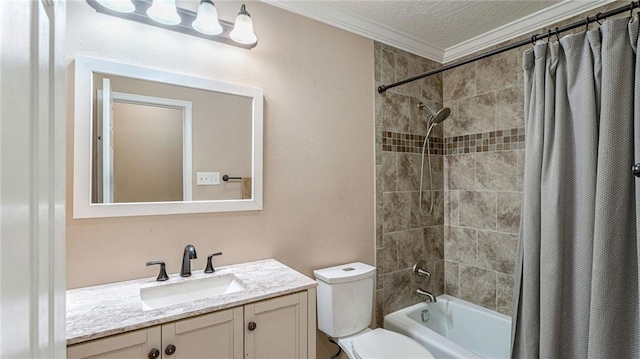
<point x="318" y="148"/>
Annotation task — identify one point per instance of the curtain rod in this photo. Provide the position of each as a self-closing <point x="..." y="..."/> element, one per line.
<point x="534" y="38"/>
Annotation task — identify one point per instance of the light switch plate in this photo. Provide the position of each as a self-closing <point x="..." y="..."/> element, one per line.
<point x="208" y="178"/>
<point x="215" y="178"/>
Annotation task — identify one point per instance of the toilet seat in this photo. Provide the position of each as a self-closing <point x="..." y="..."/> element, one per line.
<point x="382" y="343"/>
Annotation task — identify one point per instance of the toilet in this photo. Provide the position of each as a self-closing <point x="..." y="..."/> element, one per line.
<point x="345" y="299"/>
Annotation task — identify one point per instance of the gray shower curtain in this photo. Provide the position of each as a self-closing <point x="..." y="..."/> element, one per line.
<point x="576" y="292"/>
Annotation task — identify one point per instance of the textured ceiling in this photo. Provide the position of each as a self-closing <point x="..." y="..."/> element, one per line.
<point x="442" y="24"/>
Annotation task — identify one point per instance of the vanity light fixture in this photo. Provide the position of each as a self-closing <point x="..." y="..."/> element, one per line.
<point x="207" y="21"/>
<point x="243" y="29"/>
<point x="125" y="6"/>
<point x="164" y="14"/>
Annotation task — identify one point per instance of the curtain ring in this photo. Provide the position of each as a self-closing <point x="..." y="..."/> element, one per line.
<point x="557" y="35"/>
<point x="586" y="24"/>
<point x="631" y="6"/>
<point x="549" y="36"/>
<point x="533" y="39"/>
<point x="598" y="18"/>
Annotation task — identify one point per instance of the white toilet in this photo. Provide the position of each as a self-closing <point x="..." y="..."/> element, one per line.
<point x="345" y="299"/>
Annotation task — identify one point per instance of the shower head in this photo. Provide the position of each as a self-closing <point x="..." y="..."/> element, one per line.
<point x="436" y="116"/>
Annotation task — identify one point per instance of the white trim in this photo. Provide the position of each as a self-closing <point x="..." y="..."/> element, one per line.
<point x="105" y="151"/>
<point x="2" y="298"/>
<point x="187" y="145"/>
<point x="187" y="151"/>
<point x="325" y="13"/>
<point x="527" y="24"/>
<point x="32" y="203"/>
<point x="82" y="154"/>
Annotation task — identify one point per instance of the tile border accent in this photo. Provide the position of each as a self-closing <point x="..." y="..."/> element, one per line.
<point x="512" y="139"/>
<point x="407" y="142"/>
<point x="499" y="140"/>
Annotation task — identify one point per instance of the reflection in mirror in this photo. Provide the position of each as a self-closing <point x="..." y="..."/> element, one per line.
<point x="152" y="142"/>
<point x="154" y="139"/>
<point x="139" y="137"/>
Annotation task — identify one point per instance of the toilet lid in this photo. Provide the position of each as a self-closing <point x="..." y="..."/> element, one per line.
<point x="381" y="343"/>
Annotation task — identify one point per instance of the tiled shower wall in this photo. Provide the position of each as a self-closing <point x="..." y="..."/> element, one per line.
<point x="403" y="235"/>
<point x="477" y="178"/>
<point x="484" y="157"/>
<point x="469" y="240"/>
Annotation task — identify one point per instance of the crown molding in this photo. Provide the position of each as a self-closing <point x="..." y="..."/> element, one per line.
<point x="522" y="26"/>
<point x="325" y="13"/>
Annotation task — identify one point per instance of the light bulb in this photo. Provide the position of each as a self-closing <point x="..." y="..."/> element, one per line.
<point x="118" y="5"/>
<point x="164" y="12"/>
<point x="207" y="20"/>
<point x="242" y="32"/>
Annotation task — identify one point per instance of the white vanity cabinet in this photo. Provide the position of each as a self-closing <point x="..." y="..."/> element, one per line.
<point x="137" y="344"/>
<point x="216" y="335"/>
<point x="280" y="327"/>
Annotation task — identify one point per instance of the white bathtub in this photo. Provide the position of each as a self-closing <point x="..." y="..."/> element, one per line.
<point x="456" y="329"/>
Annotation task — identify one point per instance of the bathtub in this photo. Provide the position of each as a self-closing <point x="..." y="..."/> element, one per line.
<point x="455" y="329"/>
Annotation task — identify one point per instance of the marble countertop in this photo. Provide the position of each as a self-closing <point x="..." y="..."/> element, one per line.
<point x="99" y="311"/>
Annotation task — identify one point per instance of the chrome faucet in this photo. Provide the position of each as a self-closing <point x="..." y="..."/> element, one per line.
<point x="429" y="297"/>
<point x="189" y="253"/>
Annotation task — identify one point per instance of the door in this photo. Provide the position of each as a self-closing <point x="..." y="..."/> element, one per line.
<point x="141" y="137"/>
<point x="32" y="174"/>
<point x="104" y="150"/>
<point x="213" y="336"/>
<point x="277" y="328"/>
<point x="140" y="344"/>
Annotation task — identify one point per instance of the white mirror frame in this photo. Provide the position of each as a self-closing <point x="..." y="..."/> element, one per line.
<point x="83" y="149"/>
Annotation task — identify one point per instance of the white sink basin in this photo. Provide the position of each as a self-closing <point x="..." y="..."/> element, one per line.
<point x="189" y="290"/>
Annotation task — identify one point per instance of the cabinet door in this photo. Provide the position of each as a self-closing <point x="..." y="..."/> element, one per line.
<point x="133" y="345"/>
<point x="214" y="336"/>
<point x="280" y="329"/>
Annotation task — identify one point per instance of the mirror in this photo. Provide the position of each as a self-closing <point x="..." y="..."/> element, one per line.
<point x="149" y="142"/>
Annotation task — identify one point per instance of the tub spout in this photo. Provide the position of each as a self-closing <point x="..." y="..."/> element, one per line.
<point x="428" y="296"/>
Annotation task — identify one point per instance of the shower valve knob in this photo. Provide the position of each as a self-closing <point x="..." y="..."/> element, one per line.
<point x="636" y="169"/>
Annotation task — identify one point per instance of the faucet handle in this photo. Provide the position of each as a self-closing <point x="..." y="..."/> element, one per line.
<point x="210" y="268"/>
<point x="162" y="276"/>
<point x="420" y="271"/>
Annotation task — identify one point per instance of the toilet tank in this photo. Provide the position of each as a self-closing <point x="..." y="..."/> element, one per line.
<point x="345" y="298"/>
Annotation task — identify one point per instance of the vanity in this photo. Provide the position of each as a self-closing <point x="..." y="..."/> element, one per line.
<point x="154" y="141"/>
<point x="260" y="309"/>
<point x="149" y="142"/>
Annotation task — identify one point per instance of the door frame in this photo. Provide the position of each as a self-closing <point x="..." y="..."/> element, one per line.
<point x="32" y="179"/>
<point x="103" y="136"/>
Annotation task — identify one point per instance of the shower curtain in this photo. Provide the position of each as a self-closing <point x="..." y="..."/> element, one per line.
<point x="576" y="292"/>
